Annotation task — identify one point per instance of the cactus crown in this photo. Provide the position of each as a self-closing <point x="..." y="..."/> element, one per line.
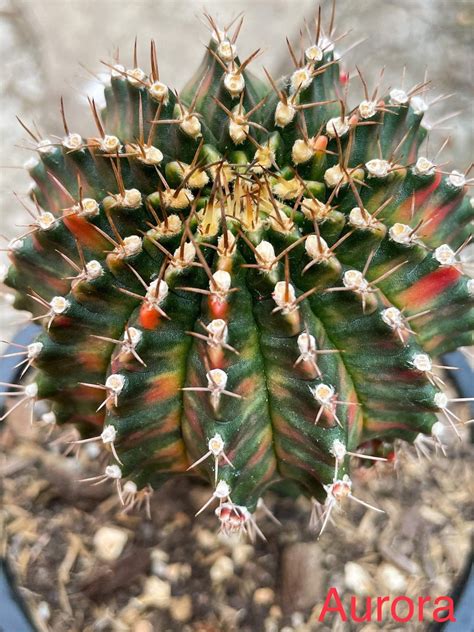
<point x="245" y="280"/>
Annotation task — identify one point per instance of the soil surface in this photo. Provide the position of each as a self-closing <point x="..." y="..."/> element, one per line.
<point x="85" y="566"/>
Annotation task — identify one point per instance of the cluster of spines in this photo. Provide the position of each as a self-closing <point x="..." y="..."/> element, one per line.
<point x="199" y="216"/>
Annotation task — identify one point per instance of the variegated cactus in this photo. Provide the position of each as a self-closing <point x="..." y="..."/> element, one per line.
<point x="247" y="281"/>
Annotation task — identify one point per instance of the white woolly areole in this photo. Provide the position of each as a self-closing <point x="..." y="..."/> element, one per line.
<point x="184" y="256"/>
<point x="301" y="151"/>
<point x="132" y="198"/>
<point x="266" y="254"/>
<point x="110" y="144"/>
<point x="191" y="125"/>
<point x="323" y="393"/>
<point x="284" y="296"/>
<point x="157" y="292"/>
<point x="334" y="176"/>
<point x="360" y="219"/>
<point x="216" y="379"/>
<point x="216" y="444"/>
<point x="337" y="126"/>
<point x="217" y="329"/>
<point x="132" y="336"/>
<point x="90" y="207"/>
<point x="367" y="109"/>
<point x="48" y="418"/>
<point x="159" y="91"/>
<point x="222" y="280"/>
<point x="132" y="245"/>
<point x="457" y="179"/>
<point x="108" y="434"/>
<point x="173" y="225"/>
<point x="422" y="362"/>
<point x="136" y="77"/>
<point x="222" y="490"/>
<point x="114" y="472"/>
<point x="284" y="114"/>
<point x="151" y="155"/>
<point x="45" y="146"/>
<point x="179" y="201"/>
<point x="401" y="234"/>
<point x="313" y="53"/>
<point x="437" y="429"/>
<point x="72" y="141"/>
<point x="130" y="488"/>
<point x="115" y="383"/>
<point x="317" y="248"/>
<point x="59" y="304"/>
<point x="264" y="157"/>
<point x="226" y="50"/>
<point x="46" y="220"/>
<point x="445" y="255"/>
<point x="222" y="249"/>
<point x="238" y="131"/>
<point x="354" y="280"/>
<point x="234" y="83"/>
<point x="423" y="167"/>
<point x="338" y="449"/>
<point x="398" y="97"/>
<point x="392" y="317"/>
<point x="300" y="79"/>
<point x="470" y="287"/>
<point x="314" y="209"/>
<point x="34" y="349"/>
<point x="306" y="344"/>
<point x="378" y="168"/>
<point x="418" y="105"/>
<point x="93" y="269"/>
<point x="441" y="400"/>
<point x="31" y="390"/>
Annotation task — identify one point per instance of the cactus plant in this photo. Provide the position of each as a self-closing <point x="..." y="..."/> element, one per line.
<point x="247" y="281"/>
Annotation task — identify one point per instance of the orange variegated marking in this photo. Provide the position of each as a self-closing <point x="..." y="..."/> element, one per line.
<point x="164" y="386"/>
<point x="85" y="233"/>
<point x="92" y="361"/>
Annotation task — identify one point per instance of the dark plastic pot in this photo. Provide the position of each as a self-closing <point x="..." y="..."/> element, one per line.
<point x="13" y="617"/>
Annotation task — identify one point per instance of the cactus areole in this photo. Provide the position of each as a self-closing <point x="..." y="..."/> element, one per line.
<point x="249" y="281"/>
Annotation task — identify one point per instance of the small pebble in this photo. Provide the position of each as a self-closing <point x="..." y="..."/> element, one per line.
<point x="263" y="596"/>
<point x="222" y="569"/>
<point x="181" y="608"/>
<point x="357" y="579"/>
<point x="156" y="593"/>
<point x="159" y="562"/>
<point x="206" y="539"/>
<point x="109" y="543"/>
<point x="242" y="553"/>
<point x="392" y="578"/>
<point x="143" y="626"/>
<point x="176" y="572"/>
<point x="275" y="612"/>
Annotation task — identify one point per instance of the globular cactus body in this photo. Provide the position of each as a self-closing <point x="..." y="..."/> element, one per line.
<point x="245" y="282"/>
